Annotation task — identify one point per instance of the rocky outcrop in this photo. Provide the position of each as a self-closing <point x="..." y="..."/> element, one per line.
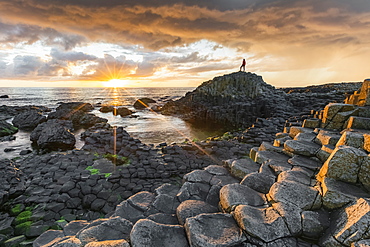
<point x="77" y="112"/>
<point x="28" y="120"/>
<point x="362" y="96"/>
<point x="7" y="112"/>
<point x="308" y="187"/>
<point x="7" y="129"/>
<point x="123" y="111"/>
<point x="238" y="99"/>
<point x="54" y="135"/>
<point x="233" y="100"/>
<point x="143" y="103"/>
<point x="106" y="108"/>
<point x="308" y="198"/>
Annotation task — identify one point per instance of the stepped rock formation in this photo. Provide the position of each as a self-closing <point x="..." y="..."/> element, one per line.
<point x="238" y="99"/>
<point x="308" y="187"/>
<point x="314" y="192"/>
<point x="233" y="100"/>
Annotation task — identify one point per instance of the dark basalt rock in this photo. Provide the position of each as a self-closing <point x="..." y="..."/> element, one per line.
<point x="7" y="129"/>
<point x="77" y="113"/>
<point x="123" y="111"/>
<point x="143" y="103"/>
<point x="28" y="120"/>
<point x="53" y="135"/>
<point x="80" y="106"/>
<point x="106" y="108"/>
<point x="7" y="112"/>
<point x="234" y="100"/>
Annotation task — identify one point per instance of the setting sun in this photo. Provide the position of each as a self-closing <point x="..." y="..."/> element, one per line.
<point x="115" y="83"/>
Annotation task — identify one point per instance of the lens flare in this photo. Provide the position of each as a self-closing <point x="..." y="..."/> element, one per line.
<point x="115" y="83"/>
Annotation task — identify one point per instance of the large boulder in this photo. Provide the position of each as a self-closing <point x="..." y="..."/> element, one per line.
<point x="166" y="200"/>
<point x="263" y="223"/>
<point x="147" y="233"/>
<point x="28" y="120"/>
<point x="343" y="164"/>
<point x="326" y="137"/>
<point x="77" y="112"/>
<point x="232" y="195"/>
<point x="80" y="106"/>
<point x="305" y="162"/>
<point x="241" y="167"/>
<point x="134" y="207"/>
<point x="7" y="129"/>
<point x="111" y="229"/>
<point x="336" y="194"/>
<point x="122" y="111"/>
<point x="143" y="103"/>
<point x="213" y="230"/>
<point x="260" y="182"/>
<point x="304" y="148"/>
<point x="295" y="130"/>
<point x="106" y="108"/>
<point x="87" y="120"/>
<point x="48" y="237"/>
<point x="191" y="208"/>
<point x="53" y="135"/>
<point x="353" y="139"/>
<point x="303" y="196"/>
<point x="349" y="226"/>
<point x="73" y="227"/>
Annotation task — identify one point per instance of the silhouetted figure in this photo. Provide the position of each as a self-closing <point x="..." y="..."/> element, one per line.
<point x="243" y="65"/>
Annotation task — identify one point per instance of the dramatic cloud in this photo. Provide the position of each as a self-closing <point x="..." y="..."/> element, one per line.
<point x="71" y="56"/>
<point x="275" y="36"/>
<point x="29" y="34"/>
<point x="26" y="65"/>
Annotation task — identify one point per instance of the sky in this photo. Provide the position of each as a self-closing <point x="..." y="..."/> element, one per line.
<point x="181" y="43"/>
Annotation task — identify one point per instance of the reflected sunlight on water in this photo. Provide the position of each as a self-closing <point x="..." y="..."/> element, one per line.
<point x="148" y="126"/>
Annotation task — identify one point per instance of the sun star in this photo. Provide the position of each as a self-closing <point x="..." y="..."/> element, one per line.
<point x="115" y="83"/>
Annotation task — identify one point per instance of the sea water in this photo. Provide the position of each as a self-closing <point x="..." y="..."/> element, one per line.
<point x="148" y="126"/>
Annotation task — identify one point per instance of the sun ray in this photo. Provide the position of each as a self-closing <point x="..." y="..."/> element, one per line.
<point x="115" y="83"/>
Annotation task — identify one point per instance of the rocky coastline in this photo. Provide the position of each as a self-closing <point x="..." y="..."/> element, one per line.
<point x="292" y="171"/>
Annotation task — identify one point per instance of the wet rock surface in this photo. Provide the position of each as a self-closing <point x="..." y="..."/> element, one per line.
<point x="54" y="135"/>
<point x="6" y="129"/>
<point x="77" y="112"/>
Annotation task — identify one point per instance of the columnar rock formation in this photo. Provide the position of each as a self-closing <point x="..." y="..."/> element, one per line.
<point x="361" y="97"/>
<point x="310" y="187"/>
<point x="238" y="99"/>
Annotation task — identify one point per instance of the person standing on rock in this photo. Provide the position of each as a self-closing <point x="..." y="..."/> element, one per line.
<point x="243" y="65"/>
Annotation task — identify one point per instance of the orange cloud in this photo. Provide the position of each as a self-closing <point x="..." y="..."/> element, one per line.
<point x="299" y="36"/>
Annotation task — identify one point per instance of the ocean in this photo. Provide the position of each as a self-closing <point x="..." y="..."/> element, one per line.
<point x="148" y="126"/>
